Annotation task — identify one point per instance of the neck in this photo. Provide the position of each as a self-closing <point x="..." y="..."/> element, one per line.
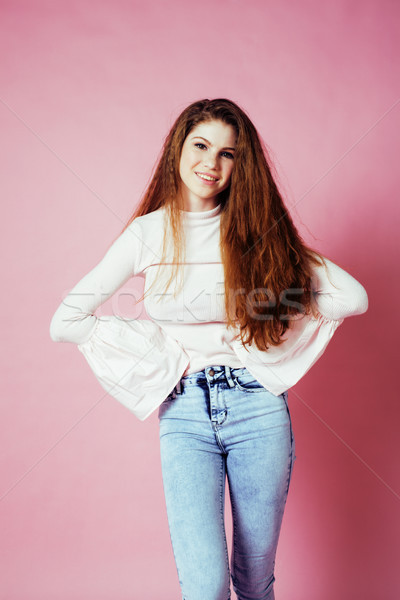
<point x="195" y="204"/>
<point x="196" y="215"/>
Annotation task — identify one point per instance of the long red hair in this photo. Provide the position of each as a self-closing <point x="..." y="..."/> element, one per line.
<point x="267" y="266"/>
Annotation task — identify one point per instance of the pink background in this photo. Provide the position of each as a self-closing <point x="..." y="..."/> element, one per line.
<point x="88" y="92"/>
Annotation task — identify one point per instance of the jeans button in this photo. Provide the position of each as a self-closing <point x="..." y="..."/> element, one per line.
<point x="211" y="372"/>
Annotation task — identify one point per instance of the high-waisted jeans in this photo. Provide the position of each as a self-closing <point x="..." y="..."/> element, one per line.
<point x="218" y="423"/>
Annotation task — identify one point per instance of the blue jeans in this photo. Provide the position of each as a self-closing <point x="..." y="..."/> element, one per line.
<point x="218" y="423"/>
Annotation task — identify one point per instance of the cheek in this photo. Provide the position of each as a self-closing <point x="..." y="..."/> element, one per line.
<point x="183" y="164"/>
<point x="228" y="172"/>
<point x="187" y="160"/>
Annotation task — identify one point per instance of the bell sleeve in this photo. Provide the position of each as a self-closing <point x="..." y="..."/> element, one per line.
<point x="134" y="360"/>
<point x="335" y="296"/>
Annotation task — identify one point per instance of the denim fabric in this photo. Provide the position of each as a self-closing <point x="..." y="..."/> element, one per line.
<point x="218" y="424"/>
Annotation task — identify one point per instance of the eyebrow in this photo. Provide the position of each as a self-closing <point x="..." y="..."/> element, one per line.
<point x="198" y="137"/>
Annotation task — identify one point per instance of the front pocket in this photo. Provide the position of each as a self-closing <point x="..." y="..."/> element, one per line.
<point x="247" y="383"/>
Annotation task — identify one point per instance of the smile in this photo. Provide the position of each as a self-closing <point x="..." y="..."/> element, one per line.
<point x="206" y="177"/>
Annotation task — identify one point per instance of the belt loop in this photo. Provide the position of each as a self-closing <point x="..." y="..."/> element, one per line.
<point x="228" y="376"/>
<point x="178" y="387"/>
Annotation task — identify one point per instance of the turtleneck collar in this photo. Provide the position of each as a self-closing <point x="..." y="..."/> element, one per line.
<point x="200" y="215"/>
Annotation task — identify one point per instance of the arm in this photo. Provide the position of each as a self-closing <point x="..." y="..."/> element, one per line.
<point x="74" y="320"/>
<point x="336" y="293"/>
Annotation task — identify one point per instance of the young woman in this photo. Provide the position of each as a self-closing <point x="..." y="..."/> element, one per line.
<point x="240" y="308"/>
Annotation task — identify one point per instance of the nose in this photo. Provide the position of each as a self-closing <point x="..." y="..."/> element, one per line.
<point x="210" y="160"/>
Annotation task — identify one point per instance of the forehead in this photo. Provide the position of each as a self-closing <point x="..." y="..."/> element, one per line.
<point x="217" y="132"/>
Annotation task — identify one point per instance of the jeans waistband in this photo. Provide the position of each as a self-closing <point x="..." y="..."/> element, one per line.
<point x="211" y="373"/>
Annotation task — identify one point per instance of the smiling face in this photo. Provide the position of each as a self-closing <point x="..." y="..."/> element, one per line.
<point x="206" y="163"/>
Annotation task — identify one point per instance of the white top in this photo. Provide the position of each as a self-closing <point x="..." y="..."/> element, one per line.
<point x="140" y="361"/>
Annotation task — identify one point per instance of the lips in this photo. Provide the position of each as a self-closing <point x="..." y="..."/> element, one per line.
<point x="207" y="177"/>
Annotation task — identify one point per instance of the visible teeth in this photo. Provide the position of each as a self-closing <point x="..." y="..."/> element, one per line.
<point x="207" y="177"/>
